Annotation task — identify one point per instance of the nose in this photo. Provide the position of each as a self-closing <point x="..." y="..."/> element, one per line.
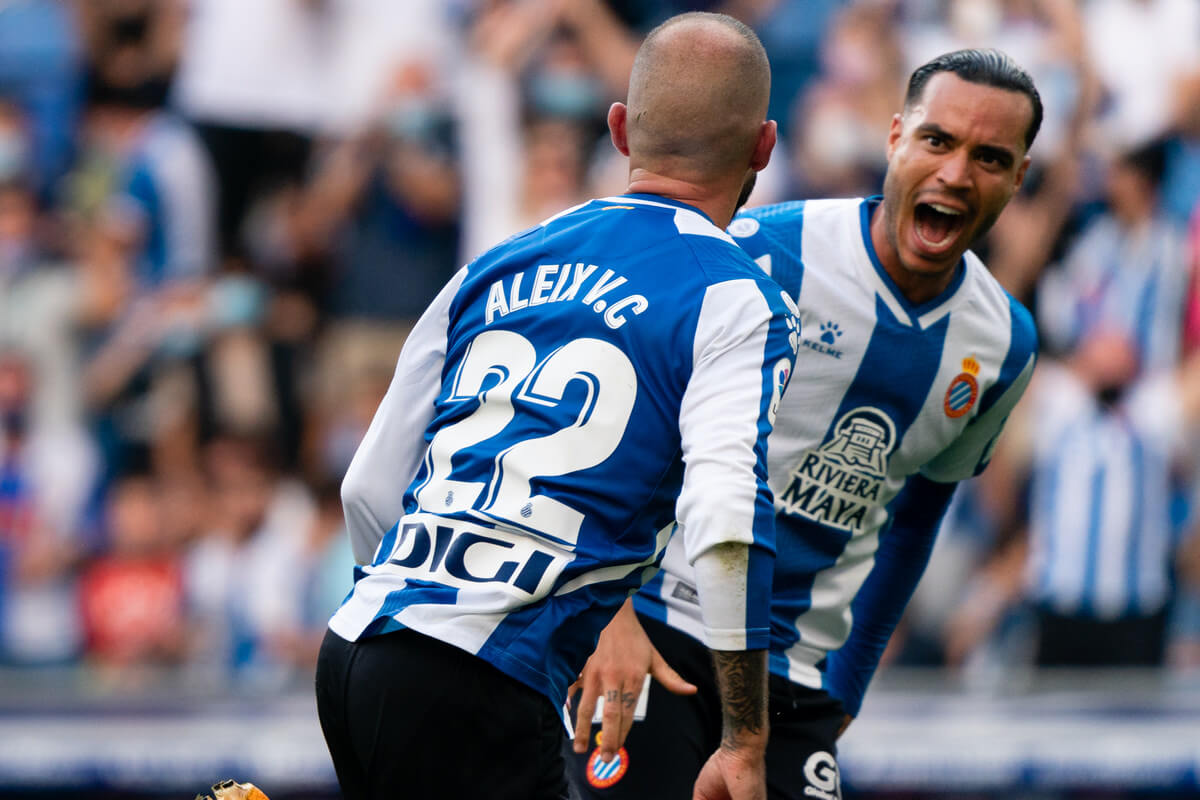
<point x="955" y="170"/>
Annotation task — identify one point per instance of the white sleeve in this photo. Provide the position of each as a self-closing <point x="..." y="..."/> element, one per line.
<point x="741" y="364"/>
<point x="392" y="449"/>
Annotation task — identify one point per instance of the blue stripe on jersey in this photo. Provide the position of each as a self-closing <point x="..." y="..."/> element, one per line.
<point x="1046" y="480"/>
<point x="811" y="549"/>
<point x="1145" y="314"/>
<point x="1022" y="341"/>
<point x="152" y="267"/>
<point x="898" y="356"/>
<point x="914" y="309"/>
<point x="653" y="588"/>
<point x="901" y="360"/>
<point x="1092" y="555"/>
<point x="572" y="623"/>
<point x="781" y="236"/>
<point x="1137" y="468"/>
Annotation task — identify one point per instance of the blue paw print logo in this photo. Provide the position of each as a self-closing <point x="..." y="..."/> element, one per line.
<point x="830" y="332"/>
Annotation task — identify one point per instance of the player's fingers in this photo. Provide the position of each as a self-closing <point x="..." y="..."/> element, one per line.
<point x="611" y="736"/>
<point x="583" y="715"/>
<point x="670" y="680"/>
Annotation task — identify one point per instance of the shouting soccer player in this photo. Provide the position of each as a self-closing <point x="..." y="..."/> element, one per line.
<point x="911" y="358"/>
<point x="547" y="404"/>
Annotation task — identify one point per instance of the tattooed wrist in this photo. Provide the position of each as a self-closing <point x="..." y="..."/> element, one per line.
<point x="742" y="679"/>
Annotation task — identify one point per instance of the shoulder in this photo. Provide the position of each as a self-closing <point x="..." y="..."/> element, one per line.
<point x="783" y="238"/>
<point x="1002" y="312"/>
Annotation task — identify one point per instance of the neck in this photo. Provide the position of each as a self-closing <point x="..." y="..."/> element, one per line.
<point x="916" y="286"/>
<point x="718" y="202"/>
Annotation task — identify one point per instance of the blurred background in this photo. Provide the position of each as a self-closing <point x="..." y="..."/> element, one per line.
<point x="219" y="219"/>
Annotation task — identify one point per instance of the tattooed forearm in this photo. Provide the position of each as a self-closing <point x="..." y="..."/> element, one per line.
<point x="742" y="679"/>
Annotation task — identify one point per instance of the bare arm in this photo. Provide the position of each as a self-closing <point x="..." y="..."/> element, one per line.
<point x="742" y="680"/>
<point x="738" y="769"/>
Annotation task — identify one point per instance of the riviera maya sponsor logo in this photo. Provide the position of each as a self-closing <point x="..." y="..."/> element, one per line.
<point x="839" y="483"/>
<point x="963" y="391"/>
<point x="602" y="775"/>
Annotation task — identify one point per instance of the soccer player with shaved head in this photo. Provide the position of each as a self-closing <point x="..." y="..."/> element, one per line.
<point x="911" y="358"/>
<point x="574" y="398"/>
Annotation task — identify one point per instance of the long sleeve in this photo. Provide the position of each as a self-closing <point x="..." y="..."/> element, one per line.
<point x="899" y="563"/>
<point x="391" y="451"/>
<point x="744" y="358"/>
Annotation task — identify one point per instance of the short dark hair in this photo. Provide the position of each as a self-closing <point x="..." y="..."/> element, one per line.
<point x="1148" y="160"/>
<point x="988" y="67"/>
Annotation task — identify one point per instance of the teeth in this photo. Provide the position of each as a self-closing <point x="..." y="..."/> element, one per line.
<point x="941" y="209"/>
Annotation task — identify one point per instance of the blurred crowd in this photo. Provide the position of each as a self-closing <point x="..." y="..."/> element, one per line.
<point x="219" y="220"/>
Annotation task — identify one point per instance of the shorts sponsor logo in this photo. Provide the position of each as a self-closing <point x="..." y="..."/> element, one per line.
<point x="821" y="772"/>
<point x="963" y="391"/>
<point x="601" y="775"/>
<point x="839" y="483"/>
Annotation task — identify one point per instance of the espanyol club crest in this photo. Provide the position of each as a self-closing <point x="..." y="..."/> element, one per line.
<point x="601" y="775"/>
<point x="963" y="391"/>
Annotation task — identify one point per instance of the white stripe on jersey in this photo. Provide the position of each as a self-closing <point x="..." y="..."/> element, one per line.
<point x="1101" y="529"/>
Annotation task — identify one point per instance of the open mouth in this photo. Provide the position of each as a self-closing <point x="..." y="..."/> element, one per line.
<point x="938" y="225"/>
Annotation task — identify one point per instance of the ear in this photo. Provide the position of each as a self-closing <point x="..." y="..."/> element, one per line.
<point x="617" y="116"/>
<point x="1021" y="173"/>
<point x="894" y="134"/>
<point x="767" y="136"/>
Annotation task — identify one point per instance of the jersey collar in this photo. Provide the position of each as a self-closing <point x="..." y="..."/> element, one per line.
<point x="666" y="201"/>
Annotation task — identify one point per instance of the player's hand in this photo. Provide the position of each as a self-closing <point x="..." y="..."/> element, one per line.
<point x="617" y="671"/>
<point x="733" y="774"/>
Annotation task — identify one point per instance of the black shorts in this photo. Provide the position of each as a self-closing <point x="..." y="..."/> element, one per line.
<point x="664" y="752"/>
<point x="408" y="716"/>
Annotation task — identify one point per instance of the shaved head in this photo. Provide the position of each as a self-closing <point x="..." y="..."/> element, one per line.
<point x="697" y="96"/>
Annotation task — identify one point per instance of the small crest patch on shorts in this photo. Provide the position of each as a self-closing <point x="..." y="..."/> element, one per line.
<point x="601" y="775"/>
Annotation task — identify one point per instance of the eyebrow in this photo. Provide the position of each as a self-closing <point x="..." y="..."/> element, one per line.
<point x="1001" y="154"/>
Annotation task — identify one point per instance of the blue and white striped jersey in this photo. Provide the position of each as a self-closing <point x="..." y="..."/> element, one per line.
<point x="1116" y="279"/>
<point x="1101" y="529"/>
<point x="170" y="191"/>
<point x="885" y="391"/>
<point x="566" y="397"/>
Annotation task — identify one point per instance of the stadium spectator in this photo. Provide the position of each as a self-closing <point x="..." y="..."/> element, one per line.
<point x="41" y="72"/>
<point x="1126" y="273"/>
<point x="48" y="471"/>
<point x="1097" y="559"/>
<point x="131" y="596"/>
<point x="243" y="575"/>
